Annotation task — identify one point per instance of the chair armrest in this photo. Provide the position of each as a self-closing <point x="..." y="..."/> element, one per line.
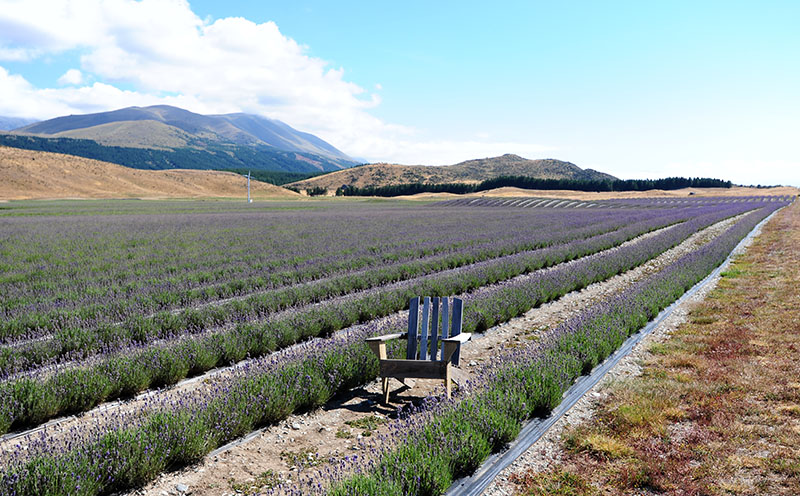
<point x="388" y="337"/>
<point x="451" y="345"/>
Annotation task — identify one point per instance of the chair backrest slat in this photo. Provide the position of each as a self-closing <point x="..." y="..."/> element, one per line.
<point x="423" y="336"/>
<point x="458" y="316"/>
<point x="430" y="336"/>
<point x="413" y="323"/>
<point x="445" y="321"/>
<point x="435" y="328"/>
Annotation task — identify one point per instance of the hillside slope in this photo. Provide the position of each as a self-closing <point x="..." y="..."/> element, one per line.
<point x="514" y="165"/>
<point x="471" y="171"/>
<point x="209" y="156"/>
<point x="27" y="174"/>
<point x="241" y="129"/>
<point x="136" y="134"/>
<point x="190" y="140"/>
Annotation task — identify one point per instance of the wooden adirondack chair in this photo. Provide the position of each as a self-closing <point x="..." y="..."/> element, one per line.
<point x="425" y="358"/>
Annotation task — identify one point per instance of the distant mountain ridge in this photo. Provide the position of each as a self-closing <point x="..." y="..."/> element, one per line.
<point x="9" y="123"/>
<point x="470" y="171"/>
<point x="203" y="137"/>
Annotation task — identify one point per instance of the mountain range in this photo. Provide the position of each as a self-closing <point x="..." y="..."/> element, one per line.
<point x="166" y="137"/>
<point x="471" y="171"/>
<point x="9" y="123"/>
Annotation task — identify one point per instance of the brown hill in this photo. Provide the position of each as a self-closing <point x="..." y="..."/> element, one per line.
<point x="26" y="174"/>
<point x="471" y="171"/>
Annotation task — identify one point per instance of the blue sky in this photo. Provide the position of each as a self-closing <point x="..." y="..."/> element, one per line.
<point x="636" y="89"/>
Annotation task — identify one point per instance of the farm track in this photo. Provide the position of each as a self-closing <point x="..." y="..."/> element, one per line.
<point x="246" y="458"/>
<point x="488" y="340"/>
<point x="209" y="331"/>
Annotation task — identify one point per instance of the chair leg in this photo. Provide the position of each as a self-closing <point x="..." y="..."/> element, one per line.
<point x="386" y="390"/>
<point x="448" y="381"/>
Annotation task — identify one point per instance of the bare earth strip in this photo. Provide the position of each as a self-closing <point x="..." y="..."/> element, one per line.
<point x="324" y="434"/>
<point x="730" y="355"/>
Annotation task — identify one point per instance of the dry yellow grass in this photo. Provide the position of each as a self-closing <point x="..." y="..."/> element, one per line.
<point x="474" y="171"/>
<point x="730" y="424"/>
<point x="26" y="174"/>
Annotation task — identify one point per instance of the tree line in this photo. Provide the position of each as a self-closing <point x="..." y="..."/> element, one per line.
<point x="525" y="182"/>
<point x="215" y="156"/>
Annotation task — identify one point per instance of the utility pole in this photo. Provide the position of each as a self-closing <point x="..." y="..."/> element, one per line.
<point x="249" y="200"/>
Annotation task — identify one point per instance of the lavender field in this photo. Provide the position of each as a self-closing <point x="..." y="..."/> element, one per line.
<point x="102" y="301"/>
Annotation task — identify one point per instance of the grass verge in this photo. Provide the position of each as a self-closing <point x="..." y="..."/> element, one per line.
<point x="716" y="410"/>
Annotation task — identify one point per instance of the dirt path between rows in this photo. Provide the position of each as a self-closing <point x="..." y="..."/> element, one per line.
<point x="102" y="415"/>
<point x="305" y="443"/>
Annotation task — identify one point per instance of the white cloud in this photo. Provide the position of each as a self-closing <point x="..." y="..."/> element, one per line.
<point x="28" y="101"/>
<point x="16" y="54"/>
<point x="42" y="27"/>
<point x="171" y="56"/>
<point x="72" y="77"/>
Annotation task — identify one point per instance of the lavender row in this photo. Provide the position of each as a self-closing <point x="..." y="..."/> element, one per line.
<point x="446" y="440"/>
<point x="36" y="324"/>
<point x="217" y="237"/>
<point x="175" y="433"/>
<point x="78" y="343"/>
<point x="40" y="299"/>
<point x="78" y="383"/>
<point x="33" y="399"/>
